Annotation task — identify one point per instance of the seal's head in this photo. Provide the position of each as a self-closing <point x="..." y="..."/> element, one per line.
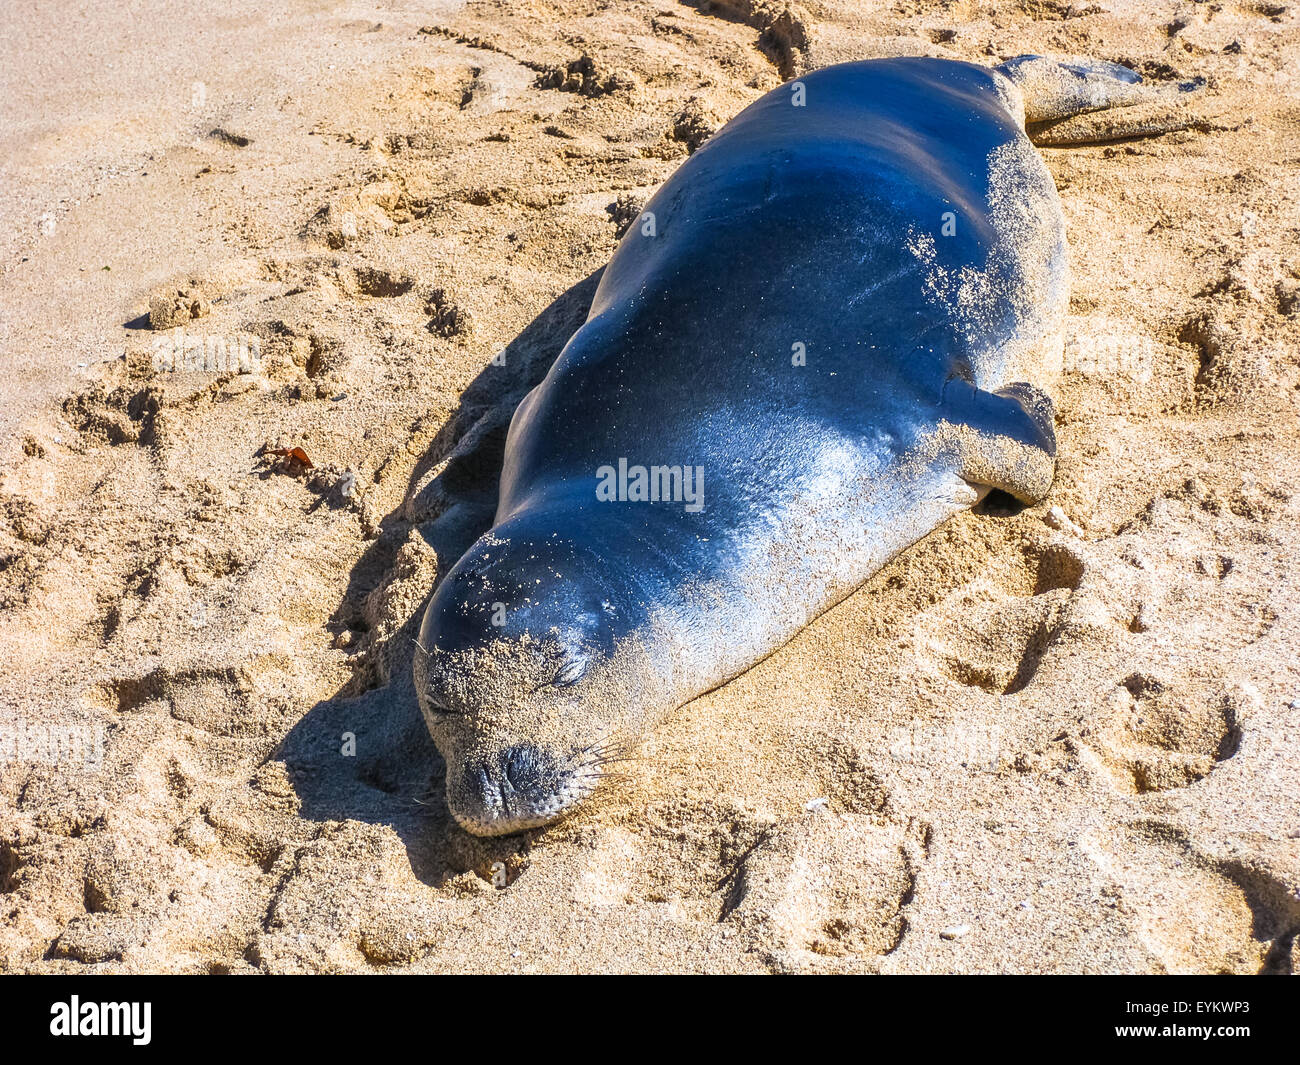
<point x="527" y="679"/>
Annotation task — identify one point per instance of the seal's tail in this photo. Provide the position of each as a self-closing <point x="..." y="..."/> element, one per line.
<point x="1087" y="101"/>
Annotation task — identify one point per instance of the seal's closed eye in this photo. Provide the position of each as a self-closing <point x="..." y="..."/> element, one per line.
<point x="570" y="673"/>
<point x="439" y="709"/>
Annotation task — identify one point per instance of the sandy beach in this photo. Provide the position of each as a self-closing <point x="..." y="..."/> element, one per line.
<point x="1060" y="739"/>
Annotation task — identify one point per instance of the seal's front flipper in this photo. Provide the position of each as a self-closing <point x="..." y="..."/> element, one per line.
<point x="1003" y="439"/>
<point x="1059" y="92"/>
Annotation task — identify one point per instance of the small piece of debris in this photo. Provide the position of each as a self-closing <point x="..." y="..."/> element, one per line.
<point x="1057" y="519"/>
<point x="294" y="460"/>
<point x="954" y="931"/>
<point x="817" y="804"/>
<point x="230" y="138"/>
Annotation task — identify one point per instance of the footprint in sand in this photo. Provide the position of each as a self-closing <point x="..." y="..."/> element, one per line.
<point x="826" y="892"/>
<point x="987" y="636"/>
<point x="1159" y="734"/>
<point x="1194" y="912"/>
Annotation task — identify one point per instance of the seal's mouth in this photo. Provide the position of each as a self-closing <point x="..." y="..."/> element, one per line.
<point x="505" y="814"/>
<point x="522" y="787"/>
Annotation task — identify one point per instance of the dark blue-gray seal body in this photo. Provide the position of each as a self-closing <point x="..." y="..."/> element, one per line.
<point x="833" y="328"/>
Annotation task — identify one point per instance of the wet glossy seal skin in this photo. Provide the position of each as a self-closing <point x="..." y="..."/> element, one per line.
<point x="832" y="329"/>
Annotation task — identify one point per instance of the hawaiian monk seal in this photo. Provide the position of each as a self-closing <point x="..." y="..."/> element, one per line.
<point x="832" y="329"/>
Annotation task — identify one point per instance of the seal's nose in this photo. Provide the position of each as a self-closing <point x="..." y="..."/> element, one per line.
<point x="524" y="769"/>
<point x="516" y="788"/>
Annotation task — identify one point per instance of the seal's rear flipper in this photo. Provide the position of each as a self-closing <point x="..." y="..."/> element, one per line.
<point x="1146" y="120"/>
<point x="1063" y="98"/>
<point x="1004" y="439"/>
